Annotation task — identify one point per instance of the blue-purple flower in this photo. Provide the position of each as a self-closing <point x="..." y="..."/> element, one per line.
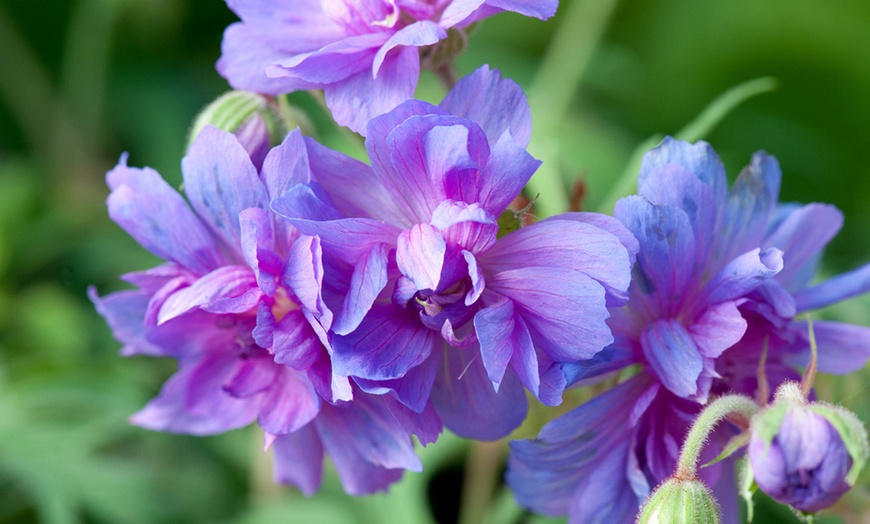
<point x="237" y="303"/>
<point x="365" y="54"/>
<point x="719" y="276"/>
<point x="429" y="301"/>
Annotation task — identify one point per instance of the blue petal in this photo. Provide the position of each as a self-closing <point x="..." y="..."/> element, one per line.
<point x="673" y="356"/>
<point x="387" y="344"/>
<point x="834" y="290"/>
<point x="801" y="236"/>
<point x="468" y="405"/>
<point x="220" y="180"/>
<point x="699" y="159"/>
<point x="299" y="459"/>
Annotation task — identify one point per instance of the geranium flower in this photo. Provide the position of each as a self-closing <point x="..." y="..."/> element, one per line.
<point x="237" y="304"/>
<point x="364" y="54"/>
<point x="436" y="305"/>
<point x="720" y="275"/>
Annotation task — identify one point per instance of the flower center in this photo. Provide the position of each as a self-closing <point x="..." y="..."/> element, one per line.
<point x="282" y="304"/>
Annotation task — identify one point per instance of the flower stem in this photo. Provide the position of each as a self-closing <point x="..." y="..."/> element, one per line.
<point x="719" y="409"/>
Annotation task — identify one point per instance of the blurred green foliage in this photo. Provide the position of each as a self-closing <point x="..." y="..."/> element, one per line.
<point x="83" y="80"/>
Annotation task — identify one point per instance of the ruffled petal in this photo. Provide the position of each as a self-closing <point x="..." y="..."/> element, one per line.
<point x="193" y="400"/>
<point x="843" y="348"/>
<point x="245" y="56"/>
<point x="228" y="282"/>
<point x="220" y="180"/>
<point x="837" y="289"/>
<point x="420" y="255"/>
<point x="719" y="327"/>
<point x="496" y="104"/>
<point x="562" y="308"/>
<point x="357" y="99"/>
<point x="699" y="159"/>
<point x="159" y="219"/>
<point x="541" y="9"/>
<point x="289" y="404"/>
<point x="334" y="62"/>
<point x="576" y="452"/>
<point x="418" y="34"/>
<point x="743" y="274"/>
<point x="387" y="344"/>
<point x="565" y="243"/>
<point x="367" y="281"/>
<point x="502" y="333"/>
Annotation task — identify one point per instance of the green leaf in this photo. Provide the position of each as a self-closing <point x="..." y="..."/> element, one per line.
<point x="733" y="445"/>
<point x="746" y="487"/>
<point x="719" y="108"/>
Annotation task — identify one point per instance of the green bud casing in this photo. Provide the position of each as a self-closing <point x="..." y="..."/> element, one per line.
<point x="680" y="502"/>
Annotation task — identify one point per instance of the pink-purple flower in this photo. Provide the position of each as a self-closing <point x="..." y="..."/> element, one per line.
<point x="431" y="304"/>
<point x="364" y="54"/>
<point x="237" y="304"/>
<point x="720" y="275"/>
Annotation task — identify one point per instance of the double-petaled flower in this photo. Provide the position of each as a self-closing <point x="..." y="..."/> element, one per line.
<point x="720" y="275"/>
<point x="364" y="54"/>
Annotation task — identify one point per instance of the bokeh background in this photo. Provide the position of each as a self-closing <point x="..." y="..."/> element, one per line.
<point x="82" y="81"/>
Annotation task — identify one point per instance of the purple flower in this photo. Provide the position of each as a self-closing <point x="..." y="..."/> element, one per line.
<point x="805" y="464"/>
<point x="365" y="54"/>
<point x="433" y="304"/>
<point x="719" y="274"/>
<point x="237" y="303"/>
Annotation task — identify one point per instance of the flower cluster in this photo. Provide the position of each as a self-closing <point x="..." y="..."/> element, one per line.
<point x="719" y="277"/>
<point x="345" y="306"/>
<point x="351" y="308"/>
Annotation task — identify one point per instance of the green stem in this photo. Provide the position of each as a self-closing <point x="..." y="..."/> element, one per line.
<point x="561" y="72"/>
<point x="481" y="479"/>
<point x="716" y="411"/>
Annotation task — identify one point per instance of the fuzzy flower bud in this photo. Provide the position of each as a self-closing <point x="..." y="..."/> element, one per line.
<point x="806" y="455"/>
<point x="679" y="501"/>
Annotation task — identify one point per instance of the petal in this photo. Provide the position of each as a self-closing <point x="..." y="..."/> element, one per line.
<point x="743" y="274"/>
<point x="222" y="283"/>
<point x="457" y="11"/>
<point x="193" y="400"/>
<point x="563" y="309"/>
<point x="673" y="356"/>
<point x="607" y="223"/>
<point x="333" y="62"/>
<point x="665" y="267"/>
<point x="363" y="437"/>
<point x="565" y="244"/>
<point x="124" y="312"/>
<point x="505" y="174"/>
<point x="468" y="225"/>
<point x="420" y="255"/>
<point x="541" y="9"/>
<point x="368" y="280"/>
<point x="295" y="343"/>
<point x="502" y="333"/>
<point x="834" y="290"/>
<point x="496" y="104"/>
<point x="577" y="452"/>
<point x="699" y="159"/>
<point x="289" y="404"/>
<point x="418" y="34"/>
<point x="843" y="348"/>
<point x="387" y="344"/>
<point x="286" y="165"/>
<point x="220" y="180"/>
<point x="468" y="405"/>
<point x="159" y="219"/>
<point x="801" y="236"/>
<point x="412" y="389"/>
<point x="302" y="26"/>
<point x="245" y="56"/>
<point x="360" y="97"/>
<point x="257" y="247"/>
<point x="720" y="327"/>
<point x="299" y="459"/>
<point x="751" y="205"/>
<point x="304" y="276"/>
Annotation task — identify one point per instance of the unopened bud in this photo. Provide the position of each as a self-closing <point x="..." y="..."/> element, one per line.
<point x="678" y="501"/>
<point x="806" y="455"/>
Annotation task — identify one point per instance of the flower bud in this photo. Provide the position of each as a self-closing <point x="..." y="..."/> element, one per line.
<point x="678" y="501"/>
<point x="806" y="455"/>
<point x="255" y="120"/>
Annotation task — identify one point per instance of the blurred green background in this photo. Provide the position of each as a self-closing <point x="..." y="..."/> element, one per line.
<point x="81" y="81"/>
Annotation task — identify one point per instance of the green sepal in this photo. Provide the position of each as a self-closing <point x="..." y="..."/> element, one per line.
<point x="851" y="430"/>
<point x="680" y="502"/>
<point x="746" y="487"/>
<point x="766" y="424"/>
<point x="733" y="445"/>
